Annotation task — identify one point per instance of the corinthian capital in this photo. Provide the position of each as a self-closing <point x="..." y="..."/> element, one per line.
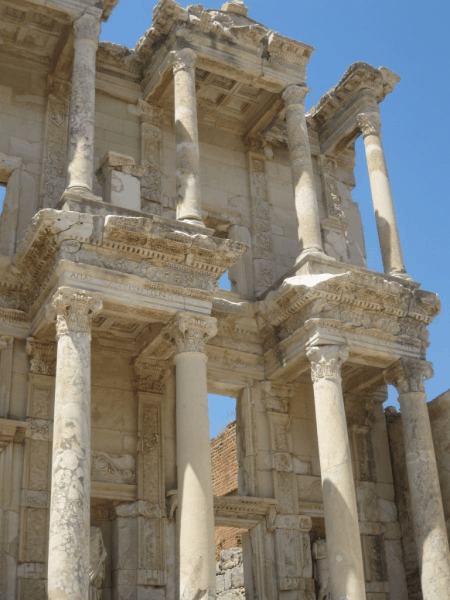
<point x="295" y="94"/>
<point x="409" y="375"/>
<point x="326" y="361"/>
<point x="87" y="27"/>
<point x="369" y="123"/>
<point x="74" y="310"/>
<point x="183" y="59"/>
<point x="191" y="332"/>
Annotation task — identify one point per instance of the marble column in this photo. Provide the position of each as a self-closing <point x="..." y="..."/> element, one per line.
<point x="338" y="486"/>
<point x="309" y="233"/>
<point x="430" y="533"/>
<point x="186" y="138"/>
<point x="195" y="490"/>
<point x="383" y="203"/>
<point x="68" y="553"/>
<point x="82" y="103"/>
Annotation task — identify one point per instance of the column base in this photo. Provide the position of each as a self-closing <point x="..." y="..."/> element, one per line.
<point x="400" y="273"/>
<point x="78" y="199"/>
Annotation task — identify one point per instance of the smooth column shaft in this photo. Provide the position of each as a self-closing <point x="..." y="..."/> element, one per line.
<point x="430" y="531"/>
<point x="339" y="496"/>
<point x="82" y="103"/>
<point x="383" y="202"/>
<point x="186" y="137"/>
<point x="309" y="233"/>
<point x="195" y="491"/>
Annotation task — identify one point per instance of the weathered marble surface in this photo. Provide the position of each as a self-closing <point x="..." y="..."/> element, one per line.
<point x="68" y="561"/>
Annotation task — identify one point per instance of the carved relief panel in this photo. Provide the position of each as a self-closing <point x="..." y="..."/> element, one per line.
<point x="35" y="494"/>
<point x="262" y="245"/>
<point x="6" y="356"/>
<point x="334" y="227"/>
<point x="53" y="179"/>
<point x="151" y="157"/>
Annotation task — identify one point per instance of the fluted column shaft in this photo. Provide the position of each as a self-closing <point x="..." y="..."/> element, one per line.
<point x="68" y="555"/>
<point x="82" y="103"/>
<point x="430" y="533"/>
<point x="383" y="202"/>
<point x="189" y="202"/>
<point x="309" y="233"/>
<point x="195" y="489"/>
<point x="339" y="496"/>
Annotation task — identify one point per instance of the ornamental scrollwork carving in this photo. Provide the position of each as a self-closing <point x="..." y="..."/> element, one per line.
<point x="409" y="375"/>
<point x="191" y="332"/>
<point x="326" y="361"/>
<point x="87" y="27"/>
<point x="183" y="59"/>
<point x="369" y="123"/>
<point x="42" y="357"/>
<point x="295" y="94"/>
<point x="74" y="310"/>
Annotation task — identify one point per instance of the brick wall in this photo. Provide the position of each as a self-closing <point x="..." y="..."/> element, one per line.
<point x="225" y="482"/>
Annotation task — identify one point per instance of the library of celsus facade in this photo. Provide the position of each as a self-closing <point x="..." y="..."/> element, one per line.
<point x="135" y="179"/>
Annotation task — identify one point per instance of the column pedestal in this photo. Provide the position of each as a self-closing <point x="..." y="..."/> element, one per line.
<point x="195" y="489"/>
<point x="430" y="532"/>
<point x="339" y="497"/>
<point x="68" y="555"/>
<point x="383" y="203"/>
<point x="309" y="233"/>
<point x="82" y="103"/>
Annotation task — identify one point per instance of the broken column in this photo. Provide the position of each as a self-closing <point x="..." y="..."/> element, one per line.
<point x="120" y="179"/>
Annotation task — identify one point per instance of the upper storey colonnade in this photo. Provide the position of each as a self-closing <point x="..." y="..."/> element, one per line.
<point x="182" y="61"/>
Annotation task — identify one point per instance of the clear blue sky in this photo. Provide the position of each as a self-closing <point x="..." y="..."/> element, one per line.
<point x="412" y="39"/>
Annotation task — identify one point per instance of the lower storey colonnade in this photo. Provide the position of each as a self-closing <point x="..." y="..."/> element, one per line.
<point x="68" y="561"/>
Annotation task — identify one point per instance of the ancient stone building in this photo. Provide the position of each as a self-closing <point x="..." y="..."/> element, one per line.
<point x="135" y="178"/>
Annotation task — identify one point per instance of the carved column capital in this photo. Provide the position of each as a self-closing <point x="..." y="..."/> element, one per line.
<point x="74" y="310"/>
<point x="276" y="396"/>
<point x="149" y="113"/>
<point x="326" y="361"/>
<point x="183" y="59"/>
<point x="191" y="332"/>
<point x="42" y="356"/>
<point x="369" y="123"/>
<point x="409" y="375"/>
<point x="87" y="27"/>
<point x="295" y="94"/>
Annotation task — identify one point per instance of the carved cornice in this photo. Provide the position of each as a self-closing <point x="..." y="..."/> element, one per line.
<point x="409" y="375"/>
<point x="276" y="396"/>
<point x="192" y="332"/>
<point x="74" y="310"/>
<point x="369" y="123"/>
<point x="326" y="361"/>
<point x="43" y="356"/>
